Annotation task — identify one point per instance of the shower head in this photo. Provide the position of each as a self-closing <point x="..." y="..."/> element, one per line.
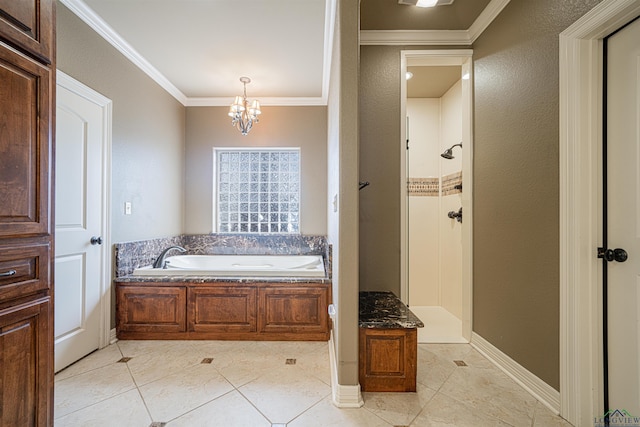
<point x="448" y="153"/>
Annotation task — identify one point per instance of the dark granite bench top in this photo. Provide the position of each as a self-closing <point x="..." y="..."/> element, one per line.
<point x="385" y="310"/>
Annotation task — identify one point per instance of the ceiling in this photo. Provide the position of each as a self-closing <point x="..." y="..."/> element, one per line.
<point x="198" y="49"/>
<point x="432" y="81"/>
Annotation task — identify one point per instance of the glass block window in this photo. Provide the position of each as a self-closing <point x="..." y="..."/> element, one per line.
<point x="257" y="190"/>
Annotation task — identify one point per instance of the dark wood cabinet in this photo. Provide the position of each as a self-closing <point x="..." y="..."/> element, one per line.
<point x="25" y="144"/>
<point x="222" y="310"/>
<point x="27" y="99"/>
<point x="293" y="310"/>
<point x="29" y="25"/>
<point x="26" y="360"/>
<point x="388" y="359"/>
<point x="152" y="309"/>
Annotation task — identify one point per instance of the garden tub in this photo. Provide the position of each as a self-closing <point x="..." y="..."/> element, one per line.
<point x="239" y="266"/>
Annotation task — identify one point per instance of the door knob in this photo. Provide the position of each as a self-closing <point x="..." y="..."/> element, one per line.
<point x="618" y="254"/>
<point x="96" y="240"/>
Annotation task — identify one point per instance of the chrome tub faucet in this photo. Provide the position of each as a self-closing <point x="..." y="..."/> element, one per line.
<point x="160" y="261"/>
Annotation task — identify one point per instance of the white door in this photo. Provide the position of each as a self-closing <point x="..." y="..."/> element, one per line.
<point x="80" y="224"/>
<point x="623" y="198"/>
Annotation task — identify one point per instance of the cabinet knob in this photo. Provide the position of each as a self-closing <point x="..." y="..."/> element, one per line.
<point x="96" y="240"/>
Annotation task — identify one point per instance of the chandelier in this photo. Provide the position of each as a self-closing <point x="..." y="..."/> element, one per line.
<point x="244" y="116"/>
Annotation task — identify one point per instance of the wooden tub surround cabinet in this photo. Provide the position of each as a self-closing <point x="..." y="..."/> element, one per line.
<point x="388" y="344"/>
<point x="216" y="309"/>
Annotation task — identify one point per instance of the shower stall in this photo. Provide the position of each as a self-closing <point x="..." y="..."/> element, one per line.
<point x="434" y="221"/>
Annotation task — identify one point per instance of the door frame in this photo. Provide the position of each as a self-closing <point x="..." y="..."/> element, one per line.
<point x="581" y="124"/>
<point x="105" y="104"/>
<point x="464" y="59"/>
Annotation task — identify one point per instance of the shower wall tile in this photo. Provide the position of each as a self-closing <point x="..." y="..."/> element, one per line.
<point x="131" y="255"/>
<point x="429" y="187"/>
<point x="452" y="184"/>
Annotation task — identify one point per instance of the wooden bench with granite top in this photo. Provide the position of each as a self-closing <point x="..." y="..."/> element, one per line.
<point x="388" y="343"/>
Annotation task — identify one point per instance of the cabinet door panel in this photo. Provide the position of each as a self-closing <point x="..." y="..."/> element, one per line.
<point x="25" y="346"/>
<point x="151" y="309"/>
<point x="28" y="24"/>
<point x="293" y="309"/>
<point x="222" y="309"/>
<point x="25" y="132"/>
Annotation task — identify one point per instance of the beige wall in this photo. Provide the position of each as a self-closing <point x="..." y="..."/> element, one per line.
<point x="304" y="127"/>
<point x="343" y="188"/>
<point x="516" y="242"/>
<point x="380" y="165"/>
<point x="148" y="132"/>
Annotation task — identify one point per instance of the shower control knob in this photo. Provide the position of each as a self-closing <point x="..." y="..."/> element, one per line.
<point x="456" y="215"/>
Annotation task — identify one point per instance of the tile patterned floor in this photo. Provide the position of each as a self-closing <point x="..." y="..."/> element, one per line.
<point x="250" y="384"/>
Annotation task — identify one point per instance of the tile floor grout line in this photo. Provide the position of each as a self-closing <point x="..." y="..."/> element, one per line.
<point x="199" y="406"/>
<point x="473" y="408"/>
<point x="309" y="408"/>
<point x="256" y="408"/>
<point x="138" y="389"/>
<point x="88" y="370"/>
<point x="92" y="404"/>
<point x="423" y="406"/>
<point x="373" y="413"/>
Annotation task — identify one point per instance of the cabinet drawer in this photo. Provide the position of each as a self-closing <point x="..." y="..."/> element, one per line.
<point x="28" y="24"/>
<point x="24" y="270"/>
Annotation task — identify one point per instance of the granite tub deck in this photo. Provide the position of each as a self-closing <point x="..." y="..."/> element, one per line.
<point x="388" y="343"/>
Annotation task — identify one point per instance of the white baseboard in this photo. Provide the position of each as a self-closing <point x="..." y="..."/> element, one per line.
<point x="542" y="391"/>
<point x="112" y="336"/>
<point x="343" y="396"/>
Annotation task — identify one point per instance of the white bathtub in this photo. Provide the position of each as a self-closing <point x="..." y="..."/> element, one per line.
<point x="239" y="266"/>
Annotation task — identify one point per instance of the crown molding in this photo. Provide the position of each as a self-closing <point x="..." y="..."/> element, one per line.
<point x="265" y="102"/>
<point x="435" y="37"/>
<point x="86" y="14"/>
<point x="329" y="29"/>
<point x="96" y="23"/>
<point x="414" y="37"/>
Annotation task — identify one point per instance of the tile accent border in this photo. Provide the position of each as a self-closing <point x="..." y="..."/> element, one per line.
<point x="423" y="187"/>
<point x="450" y="182"/>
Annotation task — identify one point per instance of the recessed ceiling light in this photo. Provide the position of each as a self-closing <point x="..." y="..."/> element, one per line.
<point x="426" y="3"/>
<point x="409" y="75"/>
<point x="436" y="2"/>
